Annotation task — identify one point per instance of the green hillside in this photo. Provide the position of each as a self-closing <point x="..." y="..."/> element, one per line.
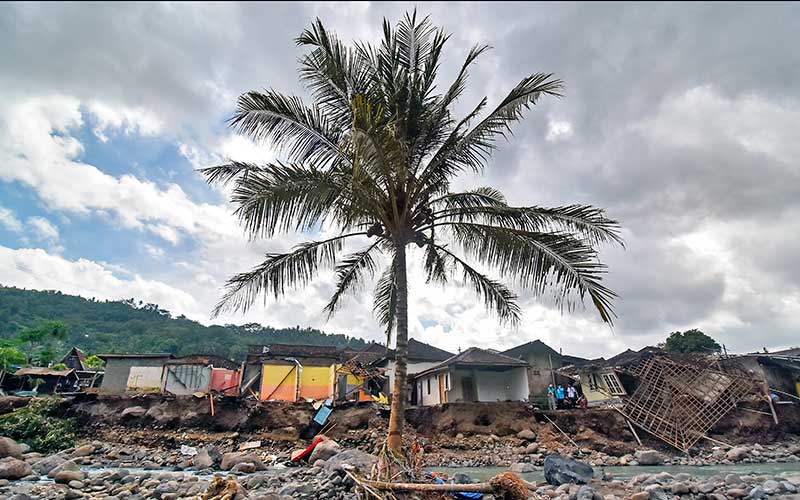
<point x="130" y="326"/>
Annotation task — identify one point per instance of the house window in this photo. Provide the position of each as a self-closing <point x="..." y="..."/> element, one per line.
<point x="592" y="382"/>
<point x="447" y="381"/>
<point x="537" y="372"/>
<point x="613" y="384"/>
<point x="429" y="386"/>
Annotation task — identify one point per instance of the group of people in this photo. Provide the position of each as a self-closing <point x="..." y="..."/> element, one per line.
<point x="560" y="398"/>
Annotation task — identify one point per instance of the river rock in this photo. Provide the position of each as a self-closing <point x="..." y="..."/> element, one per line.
<point x="736" y="493"/>
<point x="522" y="468"/>
<point x="10" y="448"/>
<point x="203" y="459"/>
<point x="362" y="460"/>
<point x="134" y="412"/>
<point x="65" y="476"/>
<point x="737" y="453"/>
<point x="642" y="495"/>
<point x="46" y="464"/>
<point x="649" y="457"/>
<point x="244" y="468"/>
<point x="560" y="470"/>
<point x="83" y="451"/>
<point x="680" y="489"/>
<point x="771" y="487"/>
<point x="14" y="468"/>
<point x="324" y="450"/>
<point x="229" y="460"/>
<point x="527" y="435"/>
<point x="756" y="493"/>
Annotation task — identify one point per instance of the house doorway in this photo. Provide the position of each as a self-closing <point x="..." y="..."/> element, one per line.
<point x="442" y="388"/>
<point x="468" y="386"/>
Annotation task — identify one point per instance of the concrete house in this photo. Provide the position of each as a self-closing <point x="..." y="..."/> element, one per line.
<point x="543" y="364"/>
<point x="421" y="356"/>
<point x="475" y="375"/>
<point x="133" y="372"/>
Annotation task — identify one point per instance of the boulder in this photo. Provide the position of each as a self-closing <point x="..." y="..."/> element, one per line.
<point x="10" y="448"/>
<point x="83" y="451"/>
<point x="649" y="457"/>
<point x="527" y="435"/>
<point x="134" y="412"/>
<point x="642" y="495"/>
<point x="324" y="450"/>
<point x="560" y="470"/>
<point x="244" y="468"/>
<point x="522" y="468"/>
<point x="362" y="460"/>
<point x="737" y="453"/>
<point x="65" y="476"/>
<point x="14" y="468"/>
<point x="585" y="493"/>
<point x="45" y="465"/>
<point x="203" y="459"/>
<point x="230" y="460"/>
<point x="68" y="465"/>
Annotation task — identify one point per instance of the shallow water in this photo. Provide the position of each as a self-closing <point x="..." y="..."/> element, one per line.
<point x="627" y="472"/>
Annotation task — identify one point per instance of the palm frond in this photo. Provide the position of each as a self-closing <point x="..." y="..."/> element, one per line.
<point x="436" y="267"/>
<point x="279" y="198"/>
<point x="555" y="262"/>
<point x="349" y="273"/>
<point x="279" y="271"/>
<point x="302" y="133"/>
<point x="496" y="296"/>
<point x="227" y="172"/>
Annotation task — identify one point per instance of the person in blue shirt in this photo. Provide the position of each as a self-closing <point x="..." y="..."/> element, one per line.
<point x="551" y="397"/>
<point x="560" y="397"/>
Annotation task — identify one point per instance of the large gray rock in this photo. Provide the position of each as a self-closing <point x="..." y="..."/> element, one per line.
<point x="9" y="448"/>
<point x="324" y="450"/>
<point x="203" y="459"/>
<point x="14" y="468"/>
<point x="134" y="412"/>
<point x="527" y="435"/>
<point x="738" y="453"/>
<point x="521" y="467"/>
<point x="560" y="470"/>
<point x="362" y="460"/>
<point x="230" y="460"/>
<point x="45" y="465"/>
<point x="649" y="457"/>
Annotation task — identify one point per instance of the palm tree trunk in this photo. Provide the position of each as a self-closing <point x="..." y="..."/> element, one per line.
<point x="399" y="391"/>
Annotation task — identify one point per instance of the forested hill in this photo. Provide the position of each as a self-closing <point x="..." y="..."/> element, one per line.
<point x="129" y="326"/>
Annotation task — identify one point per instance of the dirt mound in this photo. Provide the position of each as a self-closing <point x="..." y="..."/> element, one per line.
<point x="500" y="419"/>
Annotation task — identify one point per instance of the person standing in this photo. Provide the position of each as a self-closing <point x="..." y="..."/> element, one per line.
<point x="560" y="395"/>
<point x="551" y="397"/>
<point x="572" y="395"/>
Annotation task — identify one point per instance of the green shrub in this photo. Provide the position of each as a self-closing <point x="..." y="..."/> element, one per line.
<point x="39" y="426"/>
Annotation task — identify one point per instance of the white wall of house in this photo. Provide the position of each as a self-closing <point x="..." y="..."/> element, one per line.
<point x="489" y="386"/>
<point x="412" y="369"/>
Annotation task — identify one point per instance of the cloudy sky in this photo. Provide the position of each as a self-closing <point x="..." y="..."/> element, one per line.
<point x="680" y="120"/>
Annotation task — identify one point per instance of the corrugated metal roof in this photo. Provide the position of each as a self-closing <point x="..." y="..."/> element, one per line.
<point x="137" y="355"/>
<point x="475" y="356"/>
<point x="204" y="360"/>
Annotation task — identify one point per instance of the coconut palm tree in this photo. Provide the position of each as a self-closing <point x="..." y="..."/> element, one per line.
<point x="372" y="158"/>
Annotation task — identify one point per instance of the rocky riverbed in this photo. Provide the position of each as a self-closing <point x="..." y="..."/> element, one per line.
<point x="99" y="469"/>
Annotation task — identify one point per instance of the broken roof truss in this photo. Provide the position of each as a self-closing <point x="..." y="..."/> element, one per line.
<point x="680" y="403"/>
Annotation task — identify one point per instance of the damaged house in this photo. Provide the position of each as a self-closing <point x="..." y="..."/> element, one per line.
<point x="87" y="377"/>
<point x="475" y="375"/>
<point x="421" y="356"/>
<point x="543" y="365"/>
<point x="308" y="372"/>
<point x="606" y="381"/>
<point x="780" y="370"/>
<point x="200" y="374"/>
<point x="133" y="372"/>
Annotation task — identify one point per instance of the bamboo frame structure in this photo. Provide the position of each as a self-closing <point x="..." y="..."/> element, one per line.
<point x="680" y="403"/>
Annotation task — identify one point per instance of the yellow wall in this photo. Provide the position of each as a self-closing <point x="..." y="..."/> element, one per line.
<point x="316" y="382"/>
<point x="279" y="382"/>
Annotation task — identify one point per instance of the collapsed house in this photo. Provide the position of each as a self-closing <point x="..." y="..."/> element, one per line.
<point x="42" y="380"/>
<point x="87" y="377"/>
<point x="200" y="374"/>
<point x="308" y="372"/>
<point x="475" y="375"/>
<point x="133" y="372"/>
<point x="779" y="370"/>
<point x="420" y="357"/>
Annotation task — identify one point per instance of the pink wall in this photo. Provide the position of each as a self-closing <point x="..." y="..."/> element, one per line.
<point x="224" y="380"/>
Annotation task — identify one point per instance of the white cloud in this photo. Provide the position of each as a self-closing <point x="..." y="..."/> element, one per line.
<point x="154" y="251"/>
<point x="128" y="120"/>
<point x="702" y="116"/>
<point x="35" y="268"/>
<point x="9" y="220"/>
<point x="44" y="229"/>
<point x="558" y="130"/>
